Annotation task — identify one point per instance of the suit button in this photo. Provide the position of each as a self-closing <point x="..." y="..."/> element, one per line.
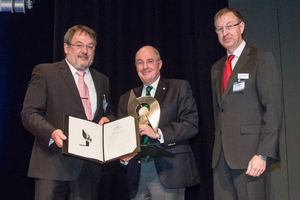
<point x="222" y="110"/>
<point x="221" y="132"/>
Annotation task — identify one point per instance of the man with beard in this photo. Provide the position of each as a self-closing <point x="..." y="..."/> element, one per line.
<point x="54" y="90"/>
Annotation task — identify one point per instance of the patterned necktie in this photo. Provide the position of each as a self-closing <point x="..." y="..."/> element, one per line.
<point x="148" y="89"/>
<point x="146" y="138"/>
<point x="84" y="95"/>
<point x="227" y="71"/>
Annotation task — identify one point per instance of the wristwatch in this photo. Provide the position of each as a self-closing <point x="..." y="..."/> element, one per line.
<point x="263" y="157"/>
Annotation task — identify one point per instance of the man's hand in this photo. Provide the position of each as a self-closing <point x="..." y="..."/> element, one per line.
<point x="148" y="130"/>
<point x="128" y="157"/>
<point x="58" y="137"/>
<point x="256" y="166"/>
<point x="103" y="120"/>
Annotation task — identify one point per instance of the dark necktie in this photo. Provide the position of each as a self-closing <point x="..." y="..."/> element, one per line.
<point x="146" y="138"/>
<point x="148" y="89"/>
<point x="227" y="71"/>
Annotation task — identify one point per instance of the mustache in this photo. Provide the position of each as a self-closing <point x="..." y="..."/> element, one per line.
<point x="83" y="55"/>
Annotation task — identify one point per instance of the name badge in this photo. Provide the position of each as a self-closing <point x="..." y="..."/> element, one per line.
<point x="243" y="76"/>
<point x="238" y="86"/>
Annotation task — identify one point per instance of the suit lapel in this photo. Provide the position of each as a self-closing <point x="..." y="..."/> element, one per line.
<point x="219" y="80"/>
<point x="138" y="91"/>
<point x="69" y="79"/>
<point x="99" y="88"/>
<point x="162" y="87"/>
<point x="243" y="59"/>
<point x="160" y="92"/>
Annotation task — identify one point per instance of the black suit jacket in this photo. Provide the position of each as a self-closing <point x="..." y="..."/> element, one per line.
<point x="247" y="122"/>
<point x="178" y="123"/>
<point x="51" y="93"/>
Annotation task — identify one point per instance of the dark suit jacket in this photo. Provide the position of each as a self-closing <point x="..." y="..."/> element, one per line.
<point x="51" y="93"/>
<point x="247" y="122"/>
<point x="178" y="123"/>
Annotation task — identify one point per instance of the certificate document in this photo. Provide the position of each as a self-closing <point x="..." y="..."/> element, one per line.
<point x="109" y="141"/>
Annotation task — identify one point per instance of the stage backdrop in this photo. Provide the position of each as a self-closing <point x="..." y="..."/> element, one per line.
<point x="181" y="30"/>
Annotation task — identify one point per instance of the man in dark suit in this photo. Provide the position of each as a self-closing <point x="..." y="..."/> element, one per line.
<point x="163" y="178"/>
<point x="52" y="92"/>
<point x="247" y="113"/>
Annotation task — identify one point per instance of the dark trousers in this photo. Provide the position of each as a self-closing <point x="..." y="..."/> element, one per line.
<point x="85" y="187"/>
<point x="150" y="187"/>
<point x="235" y="184"/>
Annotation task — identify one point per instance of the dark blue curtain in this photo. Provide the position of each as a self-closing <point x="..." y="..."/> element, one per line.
<point x="183" y="32"/>
<point x="25" y="40"/>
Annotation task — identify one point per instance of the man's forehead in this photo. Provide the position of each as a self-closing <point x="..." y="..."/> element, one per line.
<point x="227" y="18"/>
<point x="145" y="55"/>
<point x="228" y="15"/>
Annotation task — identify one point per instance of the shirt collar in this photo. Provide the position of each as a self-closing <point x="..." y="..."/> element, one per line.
<point x="239" y="50"/>
<point x="74" y="70"/>
<point x="154" y="84"/>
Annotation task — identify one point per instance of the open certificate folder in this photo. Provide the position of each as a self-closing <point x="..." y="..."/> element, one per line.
<point x="110" y="141"/>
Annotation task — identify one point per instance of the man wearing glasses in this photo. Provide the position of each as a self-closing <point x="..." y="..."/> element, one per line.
<point x="66" y="87"/>
<point x="162" y="178"/>
<point x="247" y="111"/>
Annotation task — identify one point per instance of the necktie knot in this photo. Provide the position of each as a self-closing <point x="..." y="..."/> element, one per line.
<point x="80" y="73"/>
<point x="148" y="89"/>
<point x="230" y="58"/>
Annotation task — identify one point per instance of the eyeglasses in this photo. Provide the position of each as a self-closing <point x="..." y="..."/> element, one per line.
<point x="227" y="27"/>
<point x="149" y="62"/>
<point x="81" y="46"/>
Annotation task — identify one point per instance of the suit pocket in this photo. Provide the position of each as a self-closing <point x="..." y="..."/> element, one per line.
<point x="250" y="129"/>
